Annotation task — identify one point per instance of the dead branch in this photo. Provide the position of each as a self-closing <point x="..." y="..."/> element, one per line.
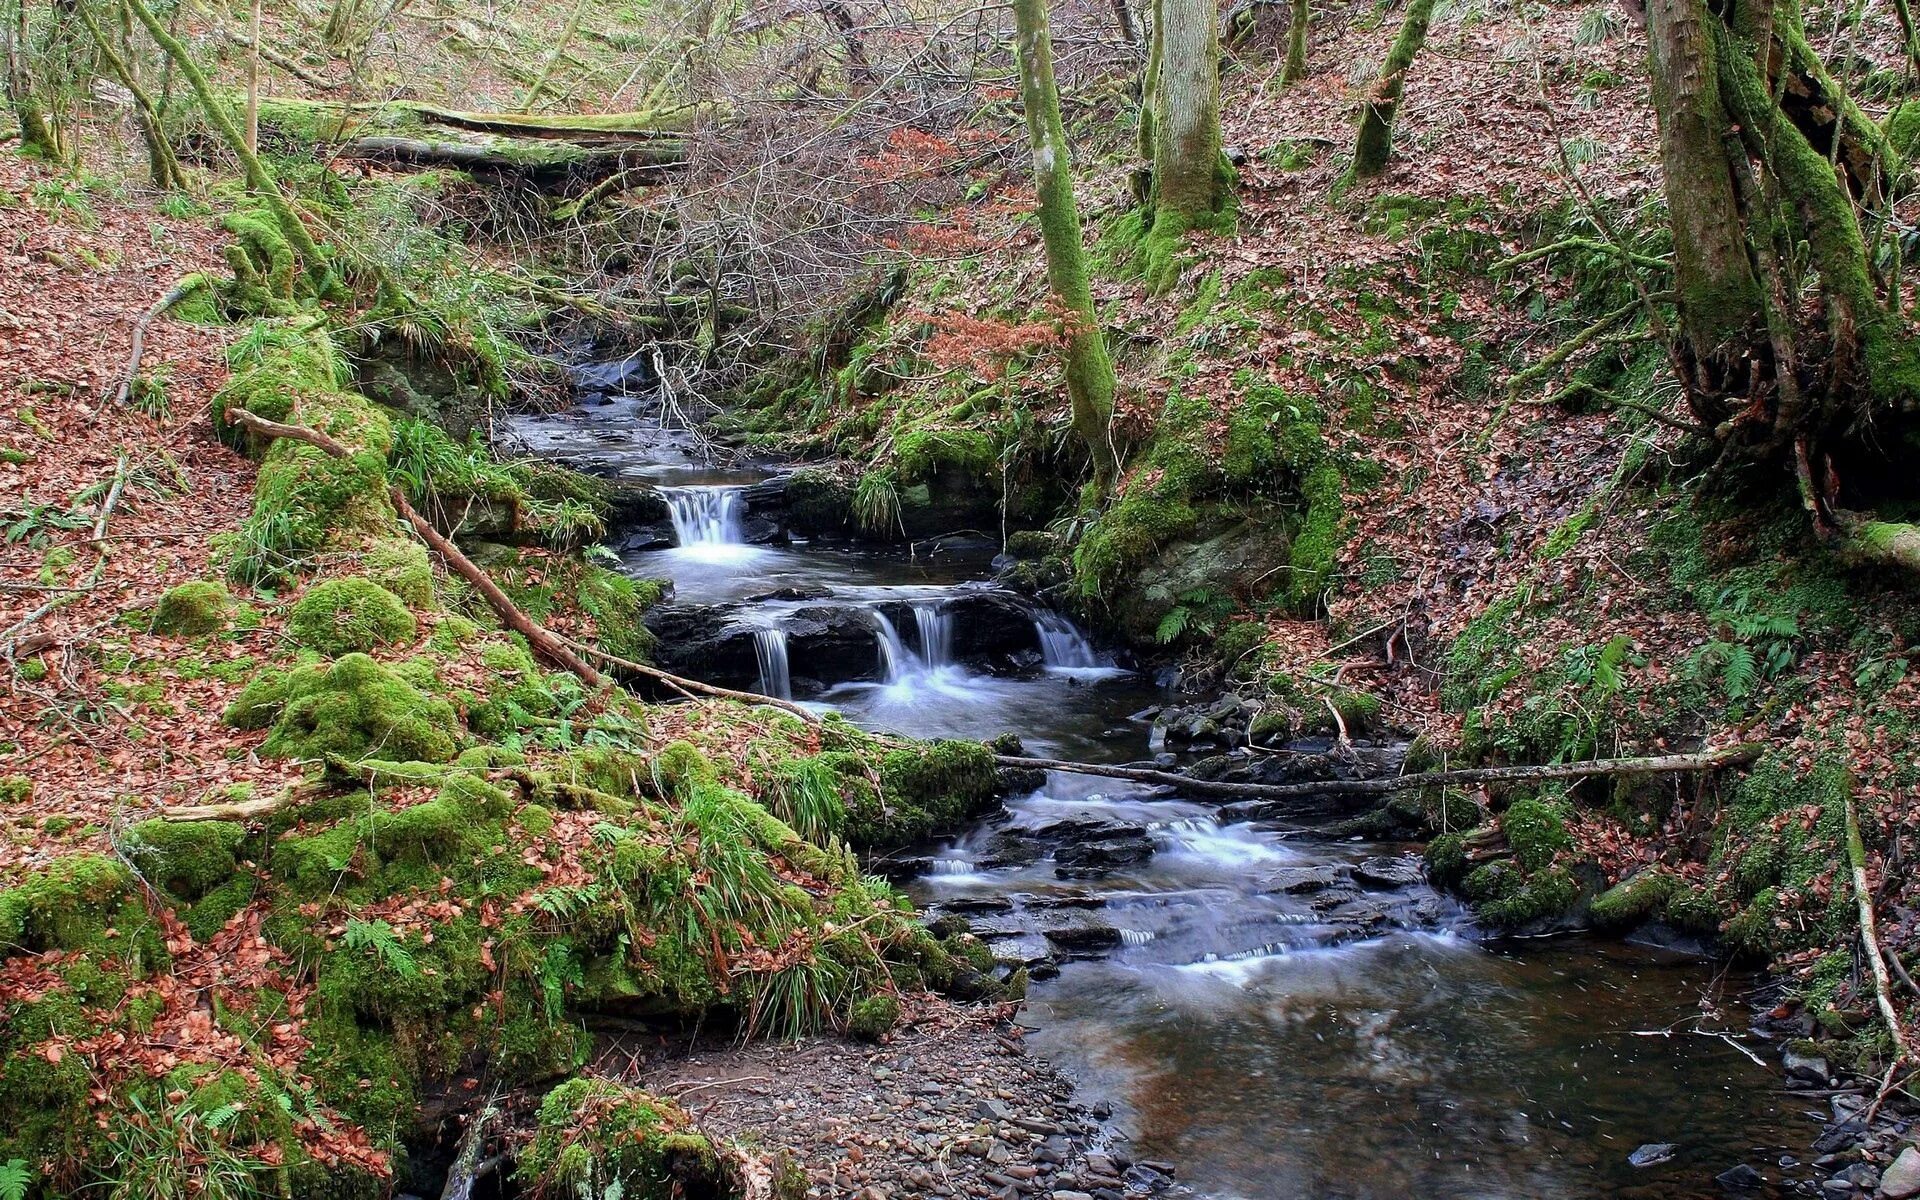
<point x="1706" y="760"/>
<point x="180" y="291"/>
<point x="1870" y="938"/>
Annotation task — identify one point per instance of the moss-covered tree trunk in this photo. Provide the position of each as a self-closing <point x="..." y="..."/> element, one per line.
<point x="38" y="136"/>
<point x="1793" y="346"/>
<point x="1090" y="382"/>
<point x="1187" y="185"/>
<point x="1296" y="68"/>
<point x="1374" y="146"/>
<point x="162" y="164"/>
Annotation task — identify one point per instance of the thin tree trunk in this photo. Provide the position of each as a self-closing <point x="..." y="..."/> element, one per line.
<point x="161" y="162"/>
<point x="253" y="80"/>
<point x="1706" y="760"/>
<point x="1090" y="380"/>
<point x="1191" y="185"/>
<point x="1296" y="68"/>
<point x="553" y="59"/>
<point x="259" y="179"/>
<point x="37" y="135"/>
<point x="1374" y="146"/>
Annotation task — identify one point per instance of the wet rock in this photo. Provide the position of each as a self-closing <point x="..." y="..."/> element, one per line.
<point x="1081" y="859"/>
<point x="1809" y="1067"/>
<point x="1305" y="881"/>
<point x="1742" y="1178"/>
<point x="1861" y="1175"/>
<point x="1901" y="1181"/>
<point x="1841" y="1135"/>
<point x="1082" y="932"/>
<point x="1652" y="1154"/>
<point x="1389" y="873"/>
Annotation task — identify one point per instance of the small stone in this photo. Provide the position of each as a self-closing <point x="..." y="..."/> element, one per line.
<point x="1901" y="1181"/>
<point x="992" y="1110"/>
<point x="1066" y="1194"/>
<point x="1158" y="1164"/>
<point x="1100" y="1164"/>
<point x="1742" y="1178"/>
<point x="1861" y="1175"/>
<point x="1652" y="1154"/>
<point x="1837" y="1187"/>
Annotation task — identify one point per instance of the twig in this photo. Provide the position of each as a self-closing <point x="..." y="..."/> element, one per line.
<point x="180" y="291"/>
<point x="1870" y="939"/>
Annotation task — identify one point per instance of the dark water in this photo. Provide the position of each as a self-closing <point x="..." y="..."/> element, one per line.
<point x="1270" y="1021"/>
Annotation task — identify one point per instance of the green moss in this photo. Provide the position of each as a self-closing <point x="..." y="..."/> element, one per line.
<point x="596" y="1136"/>
<point x="1633" y="901"/>
<point x="1536" y="831"/>
<point x="15" y="789"/>
<point x="922" y="790"/>
<point x="400" y="565"/>
<point x="873" y="1018"/>
<point x="352" y="709"/>
<point x="340" y="616"/>
<point x="185" y="859"/>
<point x="193" y="610"/>
<point x="70" y="905"/>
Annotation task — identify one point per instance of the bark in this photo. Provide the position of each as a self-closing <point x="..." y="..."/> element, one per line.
<point x="1374" y="146"/>
<point x="1720" y="301"/>
<point x="1089" y="372"/>
<point x="253" y="79"/>
<point x="553" y="58"/>
<point x="535" y="158"/>
<point x="1296" y="68"/>
<point x="1869" y="933"/>
<point x="1190" y="181"/>
<point x="1668" y="764"/>
<point x="37" y="136"/>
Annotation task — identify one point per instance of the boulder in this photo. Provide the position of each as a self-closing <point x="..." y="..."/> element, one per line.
<point x="1901" y="1181"/>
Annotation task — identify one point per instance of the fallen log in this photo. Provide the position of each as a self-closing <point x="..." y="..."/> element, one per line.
<point x="530" y="156"/>
<point x="1706" y="760"/>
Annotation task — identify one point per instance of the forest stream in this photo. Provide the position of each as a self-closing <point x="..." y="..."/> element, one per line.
<point x="1275" y="1013"/>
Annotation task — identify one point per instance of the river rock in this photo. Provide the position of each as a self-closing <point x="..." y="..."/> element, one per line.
<point x="1389" y="873"/>
<point x="1078" y="859"/>
<point x="1809" y="1067"/>
<point x="1901" y="1181"/>
<point x="1742" y="1178"/>
<point x="1652" y="1154"/>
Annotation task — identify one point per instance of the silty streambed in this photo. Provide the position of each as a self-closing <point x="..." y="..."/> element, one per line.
<point x="1278" y="1015"/>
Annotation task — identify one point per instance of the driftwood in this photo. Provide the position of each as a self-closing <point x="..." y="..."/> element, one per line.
<point x="543" y="641"/>
<point x="1706" y="760"/>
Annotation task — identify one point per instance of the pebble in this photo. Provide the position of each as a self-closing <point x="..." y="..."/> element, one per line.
<point x="1742" y="1178"/>
<point x="1652" y="1154"/>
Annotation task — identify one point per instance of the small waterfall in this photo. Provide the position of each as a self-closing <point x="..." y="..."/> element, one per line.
<point x="770" y="651"/>
<point x="896" y="661"/>
<point x="705" y="516"/>
<point x="1062" y="645"/>
<point x="936" y="635"/>
<point x="1136" y="937"/>
<point x="953" y="866"/>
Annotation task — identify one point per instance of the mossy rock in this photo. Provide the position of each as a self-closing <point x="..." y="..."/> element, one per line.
<point x="872" y="1018"/>
<point x="70" y="905"/>
<point x="354" y="708"/>
<point x="185" y="859"/>
<point x="193" y="609"/>
<point x="341" y="616"/>
<point x="401" y="566"/>
<point x="1536" y="830"/>
<point x="597" y="1137"/>
<point x="1633" y="901"/>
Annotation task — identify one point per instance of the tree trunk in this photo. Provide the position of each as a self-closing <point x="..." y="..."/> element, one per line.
<point x="253" y="80"/>
<point x="161" y="162"/>
<point x="37" y="136"/>
<point x="1190" y="181"/>
<point x="1296" y="68"/>
<point x="259" y="179"/>
<point x="1374" y="146"/>
<point x="1793" y="348"/>
<point x="1090" y="382"/>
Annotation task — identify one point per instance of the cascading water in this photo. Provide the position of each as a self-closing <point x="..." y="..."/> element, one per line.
<point x="770" y="651"/>
<point x="705" y="516"/>
<point x="896" y="661"/>
<point x="936" y="635"/>
<point x="1063" y="647"/>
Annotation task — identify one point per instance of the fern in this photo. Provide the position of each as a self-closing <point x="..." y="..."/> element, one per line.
<point x="1740" y="673"/>
<point x="1174" y="625"/>
<point x="223" y="1116"/>
<point x="15" y="1177"/>
<point x="382" y="939"/>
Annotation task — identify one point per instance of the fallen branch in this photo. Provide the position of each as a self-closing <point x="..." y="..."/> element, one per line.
<point x="180" y="291"/>
<point x="543" y="641"/>
<point x="1706" y="760"/>
<point x="693" y="687"/>
<point x="466" y="1169"/>
<point x="1870" y="939"/>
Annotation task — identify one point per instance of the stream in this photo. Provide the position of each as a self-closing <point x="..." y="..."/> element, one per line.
<point x="1278" y="1014"/>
